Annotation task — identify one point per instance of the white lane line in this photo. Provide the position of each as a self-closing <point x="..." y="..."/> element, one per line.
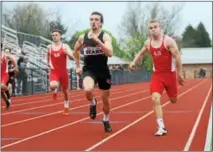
<point x="136" y="121"/>
<point x="192" y="134"/>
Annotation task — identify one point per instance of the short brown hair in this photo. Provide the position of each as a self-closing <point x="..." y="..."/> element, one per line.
<point x="57" y="30"/>
<point x="154" y="21"/>
<point x="101" y="16"/>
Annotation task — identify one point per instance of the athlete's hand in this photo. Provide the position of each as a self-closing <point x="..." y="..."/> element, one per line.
<point x="132" y="66"/>
<point x="16" y="70"/>
<point x="180" y="80"/>
<point x="94" y="37"/>
<point x="79" y="71"/>
<point x="48" y="67"/>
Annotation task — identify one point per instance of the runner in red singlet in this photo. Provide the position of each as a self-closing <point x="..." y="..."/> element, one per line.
<point x="167" y="69"/>
<point x="4" y="74"/>
<point x="57" y="61"/>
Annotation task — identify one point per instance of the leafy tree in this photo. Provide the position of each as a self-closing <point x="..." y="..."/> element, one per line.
<point x="134" y="30"/>
<point x="202" y="38"/>
<point x="198" y="37"/>
<point x="189" y="35"/>
<point x="28" y="18"/>
<point x="32" y="19"/>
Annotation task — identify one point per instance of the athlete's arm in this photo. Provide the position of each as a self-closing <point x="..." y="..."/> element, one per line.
<point x="77" y="48"/>
<point x="173" y="48"/>
<point x="107" y="45"/>
<point x="68" y="51"/>
<point x="141" y="53"/>
<point x="12" y="69"/>
<point x="48" y="56"/>
<point x="139" y="56"/>
<point x="13" y="60"/>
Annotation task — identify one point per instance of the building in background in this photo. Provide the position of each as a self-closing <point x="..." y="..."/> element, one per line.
<point x="195" y="59"/>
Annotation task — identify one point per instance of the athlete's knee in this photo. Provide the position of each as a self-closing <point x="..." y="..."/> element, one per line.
<point x="65" y="90"/>
<point x="9" y="85"/>
<point x="3" y="87"/>
<point x="88" y="89"/>
<point x="173" y="99"/>
<point x="53" y="84"/>
<point x="156" y="98"/>
<point x="88" y="84"/>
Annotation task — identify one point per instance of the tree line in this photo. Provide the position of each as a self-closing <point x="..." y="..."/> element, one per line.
<point x="196" y="37"/>
<point x="31" y="18"/>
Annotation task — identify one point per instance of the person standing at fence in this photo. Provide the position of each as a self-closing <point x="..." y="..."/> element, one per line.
<point x="167" y="69"/>
<point x="5" y="77"/>
<point x="96" y="46"/>
<point x="57" y="62"/>
<point x="22" y="75"/>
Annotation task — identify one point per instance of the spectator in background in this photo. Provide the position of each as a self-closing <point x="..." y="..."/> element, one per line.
<point x="120" y="67"/>
<point x="202" y="73"/>
<point x="22" y="75"/>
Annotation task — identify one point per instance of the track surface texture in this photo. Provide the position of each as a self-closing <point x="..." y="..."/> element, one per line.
<point x="35" y="123"/>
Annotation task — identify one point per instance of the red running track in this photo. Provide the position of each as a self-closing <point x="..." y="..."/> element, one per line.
<point x="35" y="122"/>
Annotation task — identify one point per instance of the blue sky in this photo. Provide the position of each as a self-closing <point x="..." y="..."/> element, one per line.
<point x="76" y="14"/>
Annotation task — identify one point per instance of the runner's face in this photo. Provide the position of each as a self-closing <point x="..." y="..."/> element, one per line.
<point x="7" y="51"/>
<point x="154" y="29"/>
<point x="95" y="22"/>
<point x="56" y="36"/>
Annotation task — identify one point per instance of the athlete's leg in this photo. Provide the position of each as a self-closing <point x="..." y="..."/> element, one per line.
<point x="64" y="81"/>
<point x="8" y="92"/>
<point x="53" y="83"/>
<point x="4" y="97"/>
<point x="4" y="80"/>
<point x="156" y="88"/>
<point x="89" y="81"/>
<point x="105" y="85"/>
<point x="10" y="88"/>
<point x="172" y="87"/>
<point x="105" y="94"/>
<point x="88" y="86"/>
<point x="106" y="109"/>
<point x="156" y="99"/>
<point x="3" y="86"/>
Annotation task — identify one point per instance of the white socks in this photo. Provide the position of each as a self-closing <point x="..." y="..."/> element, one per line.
<point x="66" y="104"/>
<point x="93" y="102"/>
<point x="160" y="123"/>
<point x="105" y="117"/>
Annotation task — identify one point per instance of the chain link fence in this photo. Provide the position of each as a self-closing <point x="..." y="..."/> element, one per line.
<point x="30" y="82"/>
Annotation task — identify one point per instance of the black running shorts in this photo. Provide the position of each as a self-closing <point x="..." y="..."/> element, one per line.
<point x="101" y="76"/>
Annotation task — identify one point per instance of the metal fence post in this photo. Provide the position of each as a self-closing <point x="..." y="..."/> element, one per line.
<point x="32" y="81"/>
